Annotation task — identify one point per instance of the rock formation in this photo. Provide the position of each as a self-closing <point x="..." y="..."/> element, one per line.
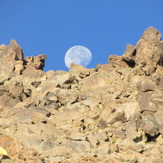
<point x="112" y="113"/>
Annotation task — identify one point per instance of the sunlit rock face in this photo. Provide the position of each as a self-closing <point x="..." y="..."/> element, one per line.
<point x="111" y="113"/>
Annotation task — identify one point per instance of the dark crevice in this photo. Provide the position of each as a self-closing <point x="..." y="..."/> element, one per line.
<point x="138" y="139"/>
<point x="152" y="138"/>
<point x="130" y="63"/>
<point x="160" y="62"/>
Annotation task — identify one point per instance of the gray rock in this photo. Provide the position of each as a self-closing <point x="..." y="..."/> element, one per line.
<point x="129" y="54"/>
<point x="78" y="137"/>
<point x="33" y="142"/>
<point x="120" y="134"/>
<point x="47" y="145"/>
<point x="159" y="116"/>
<point x="21" y="116"/>
<point x="150" y="125"/>
<point x="132" y="127"/>
<point x="42" y="111"/>
<point x="148" y="85"/>
<point x="146" y="103"/>
<point x="93" y="140"/>
<point x="37" y="143"/>
<point x="116" y="116"/>
<point x="76" y="146"/>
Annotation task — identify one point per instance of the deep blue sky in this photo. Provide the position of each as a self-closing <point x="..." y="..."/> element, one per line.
<point x="51" y="27"/>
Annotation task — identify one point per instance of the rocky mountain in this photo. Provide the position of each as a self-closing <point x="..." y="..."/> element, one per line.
<point x="109" y="114"/>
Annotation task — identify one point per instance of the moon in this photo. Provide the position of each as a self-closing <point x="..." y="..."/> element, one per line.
<point x="79" y="55"/>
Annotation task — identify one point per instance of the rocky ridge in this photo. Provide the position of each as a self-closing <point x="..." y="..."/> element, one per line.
<point x="112" y="113"/>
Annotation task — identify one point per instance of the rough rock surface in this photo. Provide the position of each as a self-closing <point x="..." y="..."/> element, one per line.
<point x="112" y="113"/>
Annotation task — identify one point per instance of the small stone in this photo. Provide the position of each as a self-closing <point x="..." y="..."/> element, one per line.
<point x="78" y="137"/>
<point x="76" y="146"/>
<point x="113" y="148"/>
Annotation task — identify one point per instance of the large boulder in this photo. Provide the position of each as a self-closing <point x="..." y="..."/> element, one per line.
<point x="147" y="54"/>
<point x="10" y="57"/>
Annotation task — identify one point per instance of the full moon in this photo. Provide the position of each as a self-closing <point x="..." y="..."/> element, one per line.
<point x="79" y="55"/>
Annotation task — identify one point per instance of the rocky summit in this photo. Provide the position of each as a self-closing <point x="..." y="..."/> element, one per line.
<point x="109" y="114"/>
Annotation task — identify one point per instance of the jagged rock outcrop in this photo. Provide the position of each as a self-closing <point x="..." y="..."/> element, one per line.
<point x="112" y="113"/>
<point x="147" y="54"/>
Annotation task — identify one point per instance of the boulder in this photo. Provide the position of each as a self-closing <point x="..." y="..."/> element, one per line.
<point x="146" y="103"/>
<point x="31" y="72"/>
<point x="129" y="55"/>
<point x="116" y="62"/>
<point x="76" y="146"/>
<point x="151" y="33"/>
<point x="10" y="56"/>
<point x="132" y="128"/>
<point x="147" y="85"/>
<point x="37" y="62"/>
<point x="149" y="51"/>
<point x="159" y="116"/>
<point x="150" y="125"/>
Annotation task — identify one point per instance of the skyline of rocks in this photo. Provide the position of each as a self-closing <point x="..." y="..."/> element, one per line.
<point x="113" y="112"/>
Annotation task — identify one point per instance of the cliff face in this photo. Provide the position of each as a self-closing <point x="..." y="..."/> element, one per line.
<point x="111" y="113"/>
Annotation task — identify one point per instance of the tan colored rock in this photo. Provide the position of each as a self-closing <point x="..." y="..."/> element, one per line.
<point x="160" y="83"/>
<point x="79" y="71"/>
<point x="159" y="116"/>
<point x="112" y="113"/>
<point x="76" y="146"/>
<point x="146" y="103"/>
<point x="36" y="62"/>
<point x="63" y="78"/>
<point x="149" y="51"/>
<point x="147" y="85"/>
<point x="116" y="116"/>
<point x="95" y="81"/>
<point x="9" y="56"/>
<point x="117" y="61"/>
<point x="19" y="67"/>
<point x="17" y="152"/>
<point x="160" y="139"/>
<point x="132" y="128"/>
<point x="130" y="109"/>
<point x="150" y="125"/>
<point x="151" y="33"/>
<point x="113" y="148"/>
<point x="31" y="72"/>
<point x="129" y="55"/>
